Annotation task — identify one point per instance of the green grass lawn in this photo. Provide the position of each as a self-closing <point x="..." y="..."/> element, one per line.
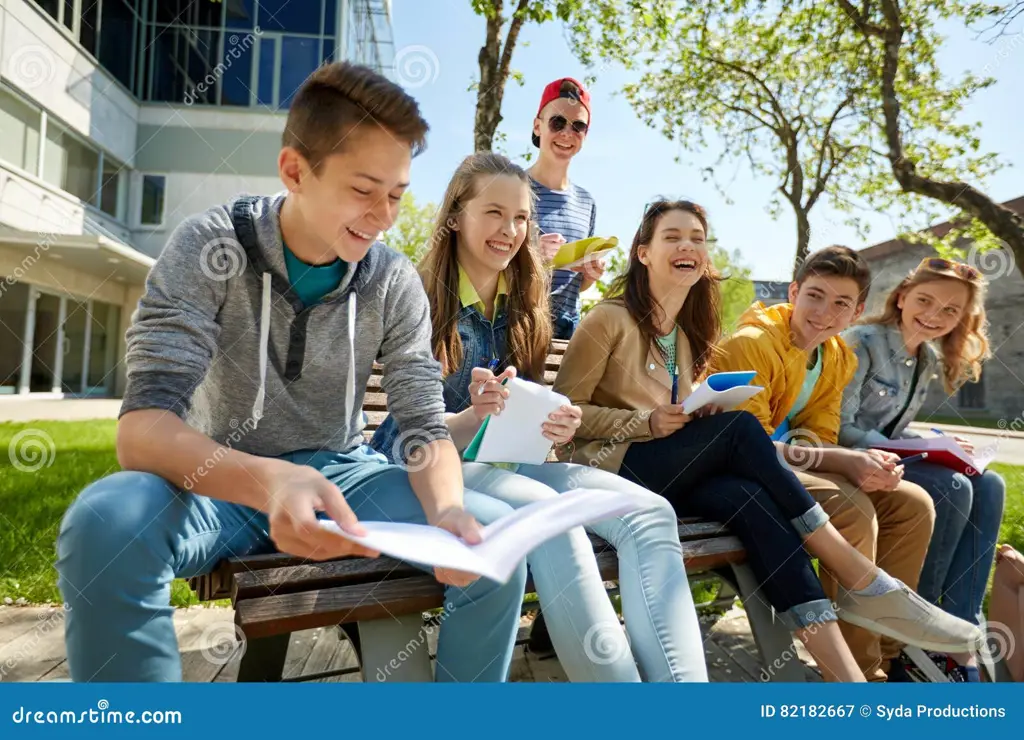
<point x="67" y="456"/>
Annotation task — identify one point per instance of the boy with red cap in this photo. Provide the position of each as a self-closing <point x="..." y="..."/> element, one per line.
<point x="565" y="212"/>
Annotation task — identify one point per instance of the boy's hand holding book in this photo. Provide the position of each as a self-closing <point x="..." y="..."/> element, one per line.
<point x="296" y="494"/>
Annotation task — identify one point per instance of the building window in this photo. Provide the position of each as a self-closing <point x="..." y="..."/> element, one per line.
<point x="120" y="29"/>
<point x="19" y="132"/>
<point x="972" y="395"/>
<point x="88" y="26"/>
<point x="236" y="86"/>
<point x="153" y="187"/>
<point x="112" y="192"/>
<point x="69" y="164"/>
<point x="299" y="58"/>
<point x="51" y="7"/>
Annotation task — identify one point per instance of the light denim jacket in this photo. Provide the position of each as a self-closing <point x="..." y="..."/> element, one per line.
<point x="482" y="341"/>
<point x="880" y="387"/>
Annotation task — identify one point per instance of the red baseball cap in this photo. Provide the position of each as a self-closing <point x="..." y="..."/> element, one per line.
<point x="554" y="91"/>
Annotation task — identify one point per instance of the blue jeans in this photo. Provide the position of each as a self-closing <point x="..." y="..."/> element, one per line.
<point x="127" y="536"/>
<point x="661" y="621"/>
<point x="725" y="467"/>
<point x="968" y="512"/>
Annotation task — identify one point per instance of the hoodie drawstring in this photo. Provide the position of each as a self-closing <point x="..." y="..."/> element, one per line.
<point x="350" y="387"/>
<point x="257" y="407"/>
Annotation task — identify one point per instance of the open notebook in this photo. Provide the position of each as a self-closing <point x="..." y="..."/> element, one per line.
<point x="944" y="451"/>
<point x="505" y="542"/>
<point x="727" y="390"/>
<point x="517" y="435"/>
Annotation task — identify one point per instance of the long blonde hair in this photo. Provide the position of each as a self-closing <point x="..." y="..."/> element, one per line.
<point x="966" y="347"/>
<point x="528" y="313"/>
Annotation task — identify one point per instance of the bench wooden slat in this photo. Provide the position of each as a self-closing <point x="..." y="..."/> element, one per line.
<point x="309" y="609"/>
<point x="263" y="575"/>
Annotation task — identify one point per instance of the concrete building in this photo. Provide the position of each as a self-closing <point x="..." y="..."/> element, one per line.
<point x="1000" y="392"/>
<point x="118" y="118"/>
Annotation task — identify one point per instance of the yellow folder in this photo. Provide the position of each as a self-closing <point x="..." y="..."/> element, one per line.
<point x="575" y="254"/>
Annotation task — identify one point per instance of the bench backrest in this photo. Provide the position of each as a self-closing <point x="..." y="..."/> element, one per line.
<point x="375" y="403"/>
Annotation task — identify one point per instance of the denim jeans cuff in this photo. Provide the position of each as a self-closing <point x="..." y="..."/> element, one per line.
<point x="804" y="615"/>
<point x="811" y="520"/>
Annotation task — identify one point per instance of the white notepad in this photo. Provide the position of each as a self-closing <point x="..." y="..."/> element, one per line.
<point x="726" y="390"/>
<point x="505" y="542"/>
<point x="516" y="435"/>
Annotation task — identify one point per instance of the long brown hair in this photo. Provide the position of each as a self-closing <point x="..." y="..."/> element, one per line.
<point x="528" y="312"/>
<point x="700" y="318"/>
<point x="967" y="346"/>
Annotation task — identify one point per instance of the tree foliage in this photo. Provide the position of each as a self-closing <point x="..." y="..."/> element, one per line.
<point x="503" y="25"/>
<point x="412" y="229"/>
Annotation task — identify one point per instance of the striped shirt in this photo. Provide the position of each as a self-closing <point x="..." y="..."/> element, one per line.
<point x="573" y="214"/>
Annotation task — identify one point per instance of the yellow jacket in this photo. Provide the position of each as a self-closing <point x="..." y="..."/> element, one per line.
<point x="762" y="343"/>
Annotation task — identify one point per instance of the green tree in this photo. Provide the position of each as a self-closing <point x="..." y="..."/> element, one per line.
<point x="765" y="85"/>
<point x="503" y="24"/>
<point x="737" y="288"/>
<point x="413" y="228"/>
<point x="914" y="110"/>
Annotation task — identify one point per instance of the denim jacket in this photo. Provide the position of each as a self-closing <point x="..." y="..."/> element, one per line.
<point x="482" y="342"/>
<point x="880" y="389"/>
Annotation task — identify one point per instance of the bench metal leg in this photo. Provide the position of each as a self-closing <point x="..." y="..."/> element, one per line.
<point x="395" y="649"/>
<point x="264" y="659"/>
<point x="774" y="640"/>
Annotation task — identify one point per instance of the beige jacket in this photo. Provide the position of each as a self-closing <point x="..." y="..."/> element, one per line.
<point x="617" y="379"/>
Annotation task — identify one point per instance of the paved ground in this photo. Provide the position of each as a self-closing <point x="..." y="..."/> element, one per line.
<point x="1011" y="444"/>
<point x="72" y="409"/>
<point x="32" y="649"/>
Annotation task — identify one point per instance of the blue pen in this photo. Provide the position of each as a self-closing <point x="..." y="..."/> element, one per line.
<point x="939" y="432"/>
<point x="675" y="386"/>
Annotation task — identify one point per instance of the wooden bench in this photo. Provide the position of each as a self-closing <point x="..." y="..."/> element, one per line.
<point x="379" y="603"/>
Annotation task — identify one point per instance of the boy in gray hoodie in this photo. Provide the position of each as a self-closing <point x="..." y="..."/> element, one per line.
<point x="241" y="423"/>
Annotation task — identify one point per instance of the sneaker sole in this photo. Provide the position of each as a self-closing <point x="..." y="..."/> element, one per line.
<point x="871" y="626"/>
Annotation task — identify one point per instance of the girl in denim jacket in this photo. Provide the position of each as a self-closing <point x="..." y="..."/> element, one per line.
<point x="940" y="303"/>
<point x="489" y="305"/>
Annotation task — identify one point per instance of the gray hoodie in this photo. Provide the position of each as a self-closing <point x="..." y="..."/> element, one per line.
<point x="220" y="339"/>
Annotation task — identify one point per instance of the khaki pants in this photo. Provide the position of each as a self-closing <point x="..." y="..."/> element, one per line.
<point x="890" y="528"/>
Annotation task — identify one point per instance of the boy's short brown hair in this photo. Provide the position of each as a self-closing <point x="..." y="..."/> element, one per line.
<point x="338" y="98"/>
<point x="837" y="261"/>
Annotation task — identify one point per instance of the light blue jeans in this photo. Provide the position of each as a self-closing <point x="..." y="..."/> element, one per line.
<point x="127" y="536"/>
<point x="664" y="636"/>
<point x="968" y="512"/>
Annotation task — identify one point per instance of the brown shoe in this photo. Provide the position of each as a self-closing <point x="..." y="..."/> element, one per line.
<point x="906" y="617"/>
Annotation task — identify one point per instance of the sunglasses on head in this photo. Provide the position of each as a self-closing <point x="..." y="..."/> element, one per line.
<point x="961" y="270"/>
<point x="558" y="122"/>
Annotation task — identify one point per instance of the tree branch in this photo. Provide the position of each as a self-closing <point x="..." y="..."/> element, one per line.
<point x="860" y="17"/>
<point x="510" y="42"/>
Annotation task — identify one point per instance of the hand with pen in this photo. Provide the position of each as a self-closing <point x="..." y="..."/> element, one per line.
<point x="487" y="395"/>
<point x="668" y="418"/>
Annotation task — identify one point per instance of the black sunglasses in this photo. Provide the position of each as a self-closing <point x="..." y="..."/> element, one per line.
<point x="557" y="122"/>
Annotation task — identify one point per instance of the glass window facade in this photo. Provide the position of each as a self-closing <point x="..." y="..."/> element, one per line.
<point x="223" y="52"/>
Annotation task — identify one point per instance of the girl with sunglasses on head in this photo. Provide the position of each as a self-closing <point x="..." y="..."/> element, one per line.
<point x="664" y="318"/>
<point x="933" y="325"/>
<point x="565" y="212"/>
<point x="488" y="304"/>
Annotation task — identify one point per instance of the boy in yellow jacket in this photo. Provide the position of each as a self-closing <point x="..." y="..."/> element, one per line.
<point x="804" y="366"/>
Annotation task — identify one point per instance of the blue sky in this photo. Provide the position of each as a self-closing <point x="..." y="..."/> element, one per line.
<point x="625" y="163"/>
